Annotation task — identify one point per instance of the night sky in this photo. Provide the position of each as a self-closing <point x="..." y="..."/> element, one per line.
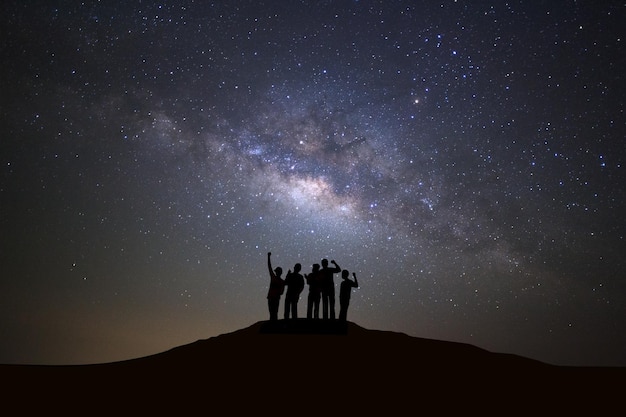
<point x="464" y="158"/>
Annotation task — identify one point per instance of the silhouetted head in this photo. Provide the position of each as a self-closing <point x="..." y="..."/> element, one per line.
<point x="297" y="267"/>
<point x="345" y="274"/>
<point x="316" y="267"/>
<point x="278" y="270"/>
<point x="324" y="263"/>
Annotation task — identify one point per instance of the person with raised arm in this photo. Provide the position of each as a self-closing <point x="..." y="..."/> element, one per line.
<point x="344" y="293"/>
<point x="328" y="288"/>
<point x="276" y="289"/>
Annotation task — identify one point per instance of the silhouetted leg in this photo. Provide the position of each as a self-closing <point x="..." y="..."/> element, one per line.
<point x="309" y="306"/>
<point x="272" y="305"/>
<point x="325" y="306"/>
<point x="293" y="307"/>
<point x="331" y="301"/>
<point x="343" y="309"/>
<point x="316" y="307"/>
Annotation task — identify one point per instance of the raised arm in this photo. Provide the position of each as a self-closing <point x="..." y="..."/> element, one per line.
<point x="269" y="263"/>
<point x="356" y="282"/>
<point x="337" y="267"/>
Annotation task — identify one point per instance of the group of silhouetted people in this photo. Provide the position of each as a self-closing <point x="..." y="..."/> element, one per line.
<point x="321" y="288"/>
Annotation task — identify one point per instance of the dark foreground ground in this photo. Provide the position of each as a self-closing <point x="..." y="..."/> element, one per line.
<point x="314" y="368"/>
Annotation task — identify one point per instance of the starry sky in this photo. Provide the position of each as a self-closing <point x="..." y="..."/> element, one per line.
<point x="464" y="158"/>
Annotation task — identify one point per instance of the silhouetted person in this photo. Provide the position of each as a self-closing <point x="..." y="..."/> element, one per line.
<point x="328" y="287"/>
<point x="315" y="293"/>
<point x="277" y="286"/>
<point x="345" y="288"/>
<point x="295" y="284"/>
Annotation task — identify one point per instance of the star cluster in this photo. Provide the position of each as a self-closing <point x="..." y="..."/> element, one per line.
<point x="464" y="158"/>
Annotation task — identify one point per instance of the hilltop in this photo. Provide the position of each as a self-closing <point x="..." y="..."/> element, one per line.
<point x="315" y="365"/>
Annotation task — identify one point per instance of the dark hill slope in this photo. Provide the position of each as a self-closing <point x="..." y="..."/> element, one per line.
<point x="318" y="367"/>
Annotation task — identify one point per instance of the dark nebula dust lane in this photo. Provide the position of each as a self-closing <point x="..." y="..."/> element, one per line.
<point x="463" y="158"/>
